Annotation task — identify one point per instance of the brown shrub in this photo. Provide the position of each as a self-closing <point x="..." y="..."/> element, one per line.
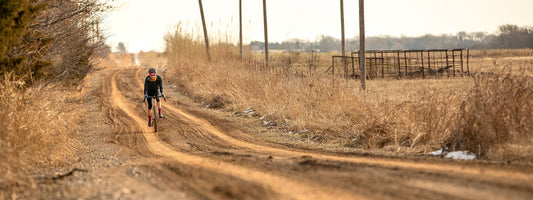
<point x="497" y="112"/>
<point x="35" y="130"/>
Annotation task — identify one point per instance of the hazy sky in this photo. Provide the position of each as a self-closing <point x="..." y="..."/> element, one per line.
<point x="142" y="23"/>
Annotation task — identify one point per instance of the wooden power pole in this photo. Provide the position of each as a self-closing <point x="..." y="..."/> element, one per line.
<point x="266" y="32"/>
<point x="362" y="43"/>
<point x="343" y="41"/>
<point x="240" y="29"/>
<point x="206" y="38"/>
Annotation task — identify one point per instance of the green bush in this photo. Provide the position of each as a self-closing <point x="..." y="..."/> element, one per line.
<point x="20" y="46"/>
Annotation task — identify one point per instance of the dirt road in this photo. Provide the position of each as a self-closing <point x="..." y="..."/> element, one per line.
<point x="200" y="155"/>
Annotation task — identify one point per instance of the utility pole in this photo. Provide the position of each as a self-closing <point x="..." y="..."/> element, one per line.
<point x="206" y="38"/>
<point x="266" y="32"/>
<point x="343" y="41"/>
<point x="362" y="43"/>
<point x="240" y="30"/>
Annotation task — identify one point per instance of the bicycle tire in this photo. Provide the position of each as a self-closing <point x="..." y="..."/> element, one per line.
<point x="155" y="117"/>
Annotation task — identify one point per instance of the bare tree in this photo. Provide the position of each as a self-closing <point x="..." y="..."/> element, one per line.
<point x="74" y="32"/>
<point x="122" y="48"/>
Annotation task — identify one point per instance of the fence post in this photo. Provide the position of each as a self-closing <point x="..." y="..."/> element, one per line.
<point x="405" y="57"/>
<point x="422" y="57"/>
<point x="462" y="66"/>
<point x="429" y="61"/>
<point x="453" y="62"/>
<point x="447" y="62"/>
<point x="467" y="57"/>
<point x="399" y="65"/>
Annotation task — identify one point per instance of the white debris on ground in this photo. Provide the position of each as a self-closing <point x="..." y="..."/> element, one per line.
<point x="458" y="155"/>
<point x="299" y="132"/>
<point x="436" y="153"/>
<point x="249" y="111"/>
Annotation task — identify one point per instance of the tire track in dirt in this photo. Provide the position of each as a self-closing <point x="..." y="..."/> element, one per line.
<point x="284" y="186"/>
<point x="189" y="137"/>
<point x="380" y="178"/>
<point x="478" y="171"/>
<point x="125" y="134"/>
<point x="424" y="176"/>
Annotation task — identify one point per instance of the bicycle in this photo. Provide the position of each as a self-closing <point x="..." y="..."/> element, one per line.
<point x="155" y="114"/>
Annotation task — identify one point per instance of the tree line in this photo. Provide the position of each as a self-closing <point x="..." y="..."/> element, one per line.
<point x="506" y="37"/>
<point x="50" y="39"/>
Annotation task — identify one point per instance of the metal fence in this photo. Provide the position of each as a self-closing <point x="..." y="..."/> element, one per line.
<point x="404" y="63"/>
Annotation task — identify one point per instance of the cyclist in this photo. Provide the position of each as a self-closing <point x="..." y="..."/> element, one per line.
<point x="153" y="86"/>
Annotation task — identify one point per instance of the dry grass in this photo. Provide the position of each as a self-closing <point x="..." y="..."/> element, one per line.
<point x="36" y="130"/>
<point x="151" y="59"/>
<point x="417" y="115"/>
<point x="501" y="53"/>
<point x="514" y="61"/>
<point x="496" y="116"/>
<point x="413" y="111"/>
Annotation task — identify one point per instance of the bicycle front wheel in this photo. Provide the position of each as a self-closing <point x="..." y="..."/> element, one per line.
<point x="155" y="120"/>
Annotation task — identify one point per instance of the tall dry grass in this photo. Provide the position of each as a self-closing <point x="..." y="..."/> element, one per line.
<point x="410" y="115"/>
<point x="36" y="130"/>
<point x="150" y="59"/>
<point x="496" y="117"/>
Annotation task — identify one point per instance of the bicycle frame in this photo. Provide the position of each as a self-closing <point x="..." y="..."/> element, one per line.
<point x="155" y="116"/>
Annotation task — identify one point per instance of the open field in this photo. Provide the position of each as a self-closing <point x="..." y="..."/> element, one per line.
<point x="486" y="114"/>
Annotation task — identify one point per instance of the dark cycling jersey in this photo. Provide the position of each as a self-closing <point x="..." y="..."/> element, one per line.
<point x="151" y="87"/>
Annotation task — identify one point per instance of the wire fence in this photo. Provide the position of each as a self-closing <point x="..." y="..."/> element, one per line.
<point x="404" y="64"/>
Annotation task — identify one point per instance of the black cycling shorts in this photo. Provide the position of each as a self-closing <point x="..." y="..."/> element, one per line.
<point x="150" y="102"/>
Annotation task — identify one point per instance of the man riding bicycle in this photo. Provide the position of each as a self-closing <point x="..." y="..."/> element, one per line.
<point x="153" y="86"/>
